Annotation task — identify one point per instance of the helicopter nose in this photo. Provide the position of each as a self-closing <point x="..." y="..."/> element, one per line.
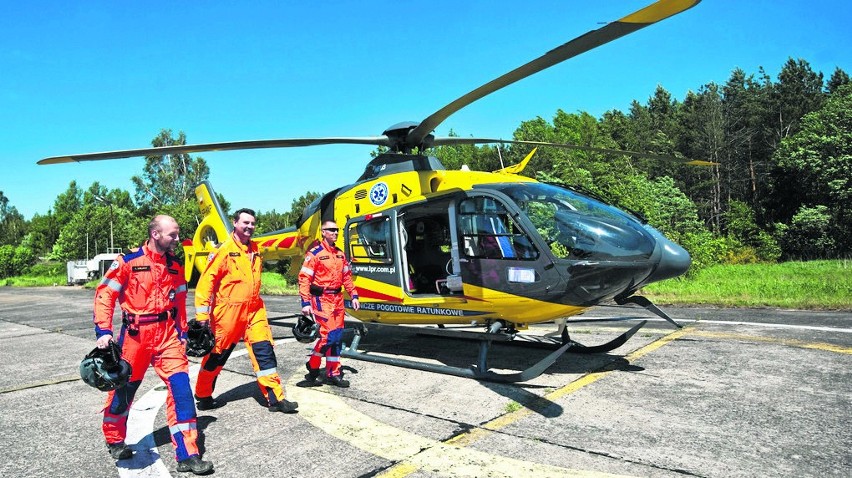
<point x="674" y="260"/>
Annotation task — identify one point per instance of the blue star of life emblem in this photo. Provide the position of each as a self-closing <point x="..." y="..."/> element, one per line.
<point x="379" y="194"/>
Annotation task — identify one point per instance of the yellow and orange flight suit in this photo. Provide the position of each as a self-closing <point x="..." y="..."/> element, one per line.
<point x="324" y="275"/>
<point x="151" y="291"/>
<point x="228" y="295"/>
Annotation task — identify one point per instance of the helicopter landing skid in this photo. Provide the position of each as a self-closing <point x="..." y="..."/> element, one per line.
<point x="644" y="302"/>
<point x="550" y="342"/>
<point x="481" y="370"/>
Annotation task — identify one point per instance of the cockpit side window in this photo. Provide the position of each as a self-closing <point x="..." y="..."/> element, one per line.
<point x="489" y="232"/>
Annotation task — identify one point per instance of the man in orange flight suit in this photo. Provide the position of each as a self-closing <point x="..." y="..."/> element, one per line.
<point x="149" y="285"/>
<point x="324" y="274"/>
<point x="227" y="299"/>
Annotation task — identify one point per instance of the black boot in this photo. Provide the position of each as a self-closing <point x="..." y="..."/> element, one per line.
<point x="312" y="376"/>
<point x="284" y="406"/>
<point x="337" y="381"/>
<point x="119" y="451"/>
<point x="208" y="403"/>
<point x="195" y="465"/>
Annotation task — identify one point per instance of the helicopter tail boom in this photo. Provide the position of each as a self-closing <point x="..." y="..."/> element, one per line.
<point x="211" y="231"/>
<point x="215" y="227"/>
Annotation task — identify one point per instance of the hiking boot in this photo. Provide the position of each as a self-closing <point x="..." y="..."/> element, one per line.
<point x="119" y="451"/>
<point x="313" y="373"/>
<point x="208" y="403"/>
<point x="312" y="377"/>
<point x="195" y="465"/>
<point x="284" y="406"/>
<point x="337" y="381"/>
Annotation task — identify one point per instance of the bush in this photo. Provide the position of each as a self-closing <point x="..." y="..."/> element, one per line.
<point x="7" y="253"/>
<point x="742" y="255"/>
<point x="15" y="261"/>
<point x="49" y="268"/>
<point x="809" y="234"/>
<point x="705" y="250"/>
<point x="742" y="228"/>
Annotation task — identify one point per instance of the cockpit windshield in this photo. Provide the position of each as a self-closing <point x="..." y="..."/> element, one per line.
<point x="578" y="227"/>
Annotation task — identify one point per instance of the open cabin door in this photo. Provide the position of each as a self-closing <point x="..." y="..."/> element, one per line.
<point x="371" y="247"/>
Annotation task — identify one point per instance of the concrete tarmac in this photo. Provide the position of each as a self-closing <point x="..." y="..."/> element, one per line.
<point x="736" y="392"/>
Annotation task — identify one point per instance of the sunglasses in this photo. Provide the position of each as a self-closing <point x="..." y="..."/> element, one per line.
<point x="330" y="229"/>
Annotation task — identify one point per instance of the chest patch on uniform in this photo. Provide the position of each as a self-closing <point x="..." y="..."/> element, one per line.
<point x="173" y="271"/>
<point x="234" y="254"/>
<point x="141" y="268"/>
<point x="324" y="258"/>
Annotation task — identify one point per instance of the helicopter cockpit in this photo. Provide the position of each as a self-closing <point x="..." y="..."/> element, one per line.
<point x="579" y="227"/>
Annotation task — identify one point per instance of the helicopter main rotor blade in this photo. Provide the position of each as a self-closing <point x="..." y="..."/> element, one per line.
<point x="230" y="145"/>
<point x="450" y="141"/>
<point x="635" y="21"/>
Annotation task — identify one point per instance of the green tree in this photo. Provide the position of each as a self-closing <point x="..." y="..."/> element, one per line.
<point x="538" y="129"/>
<point x="702" y="120"/>
<point x="170" y="179"/>
<point x="747" y="152"/>
<point x="476" y="158"/>
<point x="743" y="229"/>
<point x="798" y="92"/>
<point x="665" y="207"/>
<point x="12" y="223"/>
<point x="838" y="79"/>
<point x="15" y="260"/>
<point x="7" y="255"/>
<point x="298" y="205"/>
<point x="43" y="233"/>
<point x="98" y="224"/>
<point x="815" y="165"/>
<point x="67" y="204"/>
<point x="809" y="235"/>
<point x="654" y="129"/>
<point x="271" y="221"/>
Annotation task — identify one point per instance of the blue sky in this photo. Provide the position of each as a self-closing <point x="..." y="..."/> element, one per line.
<point x="93" y="76"/>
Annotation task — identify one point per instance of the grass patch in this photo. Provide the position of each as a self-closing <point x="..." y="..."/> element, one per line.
<point x="273" y="283"/>
<point x="811" y="285"/>
<point x="35" y="281"/>
<point x="808" y="285"/>
<point x="513" y="406"/>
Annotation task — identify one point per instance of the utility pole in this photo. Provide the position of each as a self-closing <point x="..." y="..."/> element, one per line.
<point x="109" y="203"/>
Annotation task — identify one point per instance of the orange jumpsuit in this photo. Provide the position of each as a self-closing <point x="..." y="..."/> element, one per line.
<point x="228" y="294"/>
<point x="151" y="291"/>
<point x="324" y="275"/>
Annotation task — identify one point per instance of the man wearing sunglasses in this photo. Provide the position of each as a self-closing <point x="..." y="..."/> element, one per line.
<point x="322" y="279"/>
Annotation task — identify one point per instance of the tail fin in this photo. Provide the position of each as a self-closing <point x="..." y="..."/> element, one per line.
<point x="213" y="229"/>
<point x="517" y="168"/>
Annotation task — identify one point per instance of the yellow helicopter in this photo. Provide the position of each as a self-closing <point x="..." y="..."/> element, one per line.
<point x="497" y="249"/>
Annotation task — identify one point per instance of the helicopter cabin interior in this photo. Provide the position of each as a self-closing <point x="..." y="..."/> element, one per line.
<point x="413" y="247"/>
